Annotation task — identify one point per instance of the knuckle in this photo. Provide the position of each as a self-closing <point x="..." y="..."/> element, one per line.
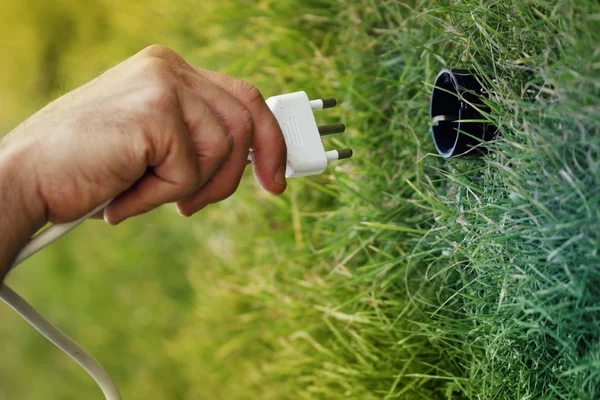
<point x="157" y="69"/>
<point x="160" y="52"/>
<point x="249" y="92"/>
<point x="157" y="51"/>
<point x="162" y="91"/>
<point x="225" y="146"/>
<point x="220" y="151"/>
<point x="162" y="99"/>
<point x="243" y="124"/>
<point x="246" y="122"/>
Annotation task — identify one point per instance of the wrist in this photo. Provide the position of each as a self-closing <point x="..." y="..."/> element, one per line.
<point x="21" y="210"/>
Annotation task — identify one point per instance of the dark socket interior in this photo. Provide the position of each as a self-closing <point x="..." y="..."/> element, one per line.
<point x="458" y="127"/>
<point x="445" y="101"/>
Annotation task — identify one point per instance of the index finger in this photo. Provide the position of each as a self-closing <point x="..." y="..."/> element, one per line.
<point x="269" y="152"/>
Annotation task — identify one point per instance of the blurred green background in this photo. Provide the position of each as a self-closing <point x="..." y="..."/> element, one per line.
<point x="394" y="275"/>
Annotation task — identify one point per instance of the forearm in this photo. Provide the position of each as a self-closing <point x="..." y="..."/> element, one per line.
<point x="21" y="213"/>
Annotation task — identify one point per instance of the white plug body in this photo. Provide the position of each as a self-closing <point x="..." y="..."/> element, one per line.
<point x="305" y="152"/>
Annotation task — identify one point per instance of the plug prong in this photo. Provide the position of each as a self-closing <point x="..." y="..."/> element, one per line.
<point x="331" y="129"/>
<point x="322" y="104"/>
<point x="329" y="103"/>
<point x="334" y="155"/>
<point x="345" y="153"/>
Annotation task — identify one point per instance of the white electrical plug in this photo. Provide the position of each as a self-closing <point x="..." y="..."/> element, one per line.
<point x="305" y="152"/>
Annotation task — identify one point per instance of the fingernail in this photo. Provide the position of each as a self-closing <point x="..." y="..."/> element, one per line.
<point x="181" y="212"/>
<point x="109" y="220"/>
<point x="280" y="176"/>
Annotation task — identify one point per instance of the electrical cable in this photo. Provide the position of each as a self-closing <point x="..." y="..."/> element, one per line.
<point x="45" y="327"/>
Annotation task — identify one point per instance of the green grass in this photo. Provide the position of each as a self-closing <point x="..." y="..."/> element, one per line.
<point x="395" y="275"/>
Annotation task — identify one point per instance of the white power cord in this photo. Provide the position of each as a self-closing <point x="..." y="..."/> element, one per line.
<point x="305" y="156"/>
<point x="45" y="327"/>
<point x="44" y="238"/>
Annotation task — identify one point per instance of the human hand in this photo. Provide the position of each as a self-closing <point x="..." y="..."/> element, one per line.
<point x="151" y="130"/>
